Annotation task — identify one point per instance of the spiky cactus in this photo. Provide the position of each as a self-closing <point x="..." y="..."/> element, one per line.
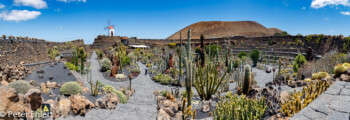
<point x="247" y="79"/>
<point x="190" y="69"/>
<point x="208" y="80"/>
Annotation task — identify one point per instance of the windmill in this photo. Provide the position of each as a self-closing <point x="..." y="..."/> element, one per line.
<point x="110" y="28"/>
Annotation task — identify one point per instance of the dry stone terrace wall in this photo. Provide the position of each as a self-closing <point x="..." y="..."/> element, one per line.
<point x="12" y="52"/>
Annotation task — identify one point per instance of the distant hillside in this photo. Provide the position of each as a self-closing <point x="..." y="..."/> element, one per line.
<point x="212" y="29"/>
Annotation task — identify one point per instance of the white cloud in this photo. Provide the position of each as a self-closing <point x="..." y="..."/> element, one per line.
<point x="322" y="3"/>
<point x="38" y="4"/>
<point x="67" y="1"/>
<point x="19" y="15"/>
<point x="345" y="12"/>
<point x="2" y="6"/>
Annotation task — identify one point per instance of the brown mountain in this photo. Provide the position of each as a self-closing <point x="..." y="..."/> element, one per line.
<point x="212" y="29"/>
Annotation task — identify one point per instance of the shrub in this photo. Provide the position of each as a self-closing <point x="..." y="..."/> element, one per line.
<point x="20" y="86"/>
<point x="322" y="75"/>
<point x="242" y="54"/>
<point x="53" y="53"/>
<point x="106" y="64"/>
<point x="254" y="54"/>
<point x="300" y="60"/>
<point x="71" y="88"/>
<point x="213" y="50"/>
<point x="239" y="108"/>
<point x="197" y="50"/>
<point x="314" y="76"/>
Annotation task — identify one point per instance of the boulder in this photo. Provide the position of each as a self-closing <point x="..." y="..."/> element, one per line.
<point x="109" y="101"/>
<point x="174" y="107"/>
<point x="4" y="82"/>
<point x="292" y="83"/>
<point x="284" y="95"/>
<point x="34" y="98"/>
<point x="11" y="101"/>
<point x="86" y="90"/>
<point x="162" y="115"/>
<point x="34" y="83"/>
<point x="51" y="84"/>
<point x="169" y="111"/>
<point x="54" y="108"/>
<point x="64" y="107"/>
<point x="345" y="78"/>
<point x="178" y="115"/>
<point x="167" y="103"/>
<point x="80" y="105"/>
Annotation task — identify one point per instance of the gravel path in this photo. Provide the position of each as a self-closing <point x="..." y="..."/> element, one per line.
<point x="141" y="106"/>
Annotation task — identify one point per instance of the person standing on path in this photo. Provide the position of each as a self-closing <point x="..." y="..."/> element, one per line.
<point x="146" y="70"/>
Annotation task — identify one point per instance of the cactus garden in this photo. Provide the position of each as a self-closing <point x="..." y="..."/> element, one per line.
<point x="59" y="61"/>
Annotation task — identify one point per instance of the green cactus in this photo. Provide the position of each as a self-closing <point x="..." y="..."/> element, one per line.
<point x="322" y="75"/>
<point x="190" y="69"/>
<point x="95" y="87"/>
<point x="240" y="108"/>
<point x="20" y="86"/>
<point x="299" y="100"/>
<point x="71" y="88"/>
<point x="339" y="69"/>
<point x="279" y="68"/>
<point x="208" y="80"/>
<point x="247" y="80"/>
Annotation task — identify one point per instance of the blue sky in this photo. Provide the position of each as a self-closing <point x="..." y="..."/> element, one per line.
<point x="63" y="20"/>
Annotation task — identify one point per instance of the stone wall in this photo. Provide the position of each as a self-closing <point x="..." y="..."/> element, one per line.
<point x="12" y="52"/>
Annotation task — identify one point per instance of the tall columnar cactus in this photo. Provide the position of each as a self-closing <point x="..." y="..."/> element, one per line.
<point x="247" y="79"/>
<point x="279" y="67"/>
<point x="202" y="55"/>
<point x="190" y="70"/>
<point x="217" y="52"/>
<point x="226" y="54"/>
<point x="190" y="75"/>
<point x="189" y="44"/>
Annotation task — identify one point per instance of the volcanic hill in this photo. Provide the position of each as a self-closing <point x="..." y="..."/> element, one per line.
<point x="213" y="29"/>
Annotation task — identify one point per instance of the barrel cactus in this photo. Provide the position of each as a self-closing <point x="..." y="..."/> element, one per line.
<point x="339" y="69"/>
<point x="314" y="76"/>
<point x="20" y="86"/>
<point x="322" y="75"/>
<point x="71" y="88"/>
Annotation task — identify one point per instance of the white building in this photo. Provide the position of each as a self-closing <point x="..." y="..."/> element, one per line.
<point x="111" y="31"/>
